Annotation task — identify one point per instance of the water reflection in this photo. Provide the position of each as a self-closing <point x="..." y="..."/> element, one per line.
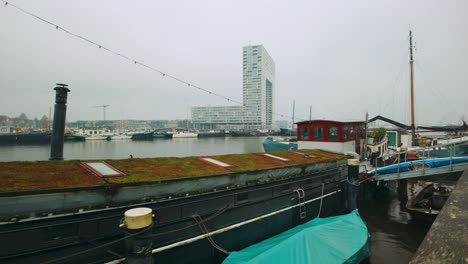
<point x="395" y="237"/>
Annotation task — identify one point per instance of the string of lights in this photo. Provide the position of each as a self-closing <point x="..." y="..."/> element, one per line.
<point x="125" y="57"/>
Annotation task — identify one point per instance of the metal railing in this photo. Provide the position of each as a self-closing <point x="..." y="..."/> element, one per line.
<point x="423" y="168"/>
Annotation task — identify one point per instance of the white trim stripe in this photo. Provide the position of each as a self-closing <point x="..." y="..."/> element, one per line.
<point x="217" y="162"/>
<point x="275" y="157"/>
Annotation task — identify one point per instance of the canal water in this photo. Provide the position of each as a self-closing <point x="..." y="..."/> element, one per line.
<point x="122" y="149"/>
<point x="395" y="238"/>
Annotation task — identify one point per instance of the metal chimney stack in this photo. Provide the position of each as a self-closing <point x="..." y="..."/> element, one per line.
<point x="58" y="129"/>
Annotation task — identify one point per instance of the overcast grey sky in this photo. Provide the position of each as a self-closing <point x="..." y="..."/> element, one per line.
<point x="343" y="58"/>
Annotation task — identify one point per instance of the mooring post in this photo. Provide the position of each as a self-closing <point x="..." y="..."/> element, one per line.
<point x="137" y="225"/>
<point x="353" y="183"/>
<point x="58" y="129"/>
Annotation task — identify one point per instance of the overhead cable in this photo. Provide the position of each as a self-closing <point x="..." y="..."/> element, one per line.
<point x="128" y="58"/>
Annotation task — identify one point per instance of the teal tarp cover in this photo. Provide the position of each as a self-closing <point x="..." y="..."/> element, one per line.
<point x="337" y="239"/>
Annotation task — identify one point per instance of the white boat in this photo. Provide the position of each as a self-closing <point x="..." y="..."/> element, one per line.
<point x="184" y="134"/>
<point x="120" y="137"/>
<point x="101" y="133"/>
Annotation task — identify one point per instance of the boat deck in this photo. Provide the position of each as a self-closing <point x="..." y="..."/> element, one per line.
<point x="48" y="175"/>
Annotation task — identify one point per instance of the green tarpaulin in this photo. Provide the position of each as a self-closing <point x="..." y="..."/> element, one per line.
<point x="338" y="239"/>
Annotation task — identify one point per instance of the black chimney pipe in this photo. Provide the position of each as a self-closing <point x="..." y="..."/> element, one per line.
<point x="58" y="129"/>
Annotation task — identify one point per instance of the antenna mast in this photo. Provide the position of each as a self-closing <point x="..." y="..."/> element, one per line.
<point x="103" y="110"/>
<point x="292" y="125"/>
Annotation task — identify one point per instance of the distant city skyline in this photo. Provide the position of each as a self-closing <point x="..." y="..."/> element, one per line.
<point x="342" y="58"/>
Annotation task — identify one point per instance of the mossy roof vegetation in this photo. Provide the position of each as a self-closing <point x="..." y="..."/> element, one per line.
<point x="43" y="175"/>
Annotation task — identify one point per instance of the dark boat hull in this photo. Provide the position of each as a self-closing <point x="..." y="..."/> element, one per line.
<point x="162" y="135"/>
<point x="143" y="136"/>
<point x="425" y="206"/>
<point x="25" y="138"/>
<point x="215" y="134"/>
<point x="54" y="237"/>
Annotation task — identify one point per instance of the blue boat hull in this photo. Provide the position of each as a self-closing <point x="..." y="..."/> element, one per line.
<point x="419" y="164"/>
<point x="272" y="145"/>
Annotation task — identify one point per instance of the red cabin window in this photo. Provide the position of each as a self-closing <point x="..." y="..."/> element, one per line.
<point x="318" y="133"/>
<point x="333" y="133"/>
<point x="304" y="133"/>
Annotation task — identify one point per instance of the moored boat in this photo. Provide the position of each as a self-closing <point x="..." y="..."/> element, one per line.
<point x="164" y="135"/>
<point x="72" y="203"/>
<point x="211" y="133"/>
<point x="23" y="137"/>
<point x="146" y="135"/>
<point x="184" y="134"/>
<point x="418" y="165"/>
<point x="337" y="239"/>
<point x="428" y="203"/>
<point x="73" y="137"/>
<point x="97" y="133"/>
<point x="120" y="137"/>
<point x="279" y="144"/>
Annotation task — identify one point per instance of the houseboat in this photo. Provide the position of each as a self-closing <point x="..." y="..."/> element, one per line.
<point x="340" y="136"/>
<point x="96" y="133"/>
<point x="70" y="211"/>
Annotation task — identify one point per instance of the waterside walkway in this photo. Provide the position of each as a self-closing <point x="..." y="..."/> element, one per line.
<point x="447" y="240"/>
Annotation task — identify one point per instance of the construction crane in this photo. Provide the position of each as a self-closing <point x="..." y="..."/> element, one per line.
<point x="103" y="110"/>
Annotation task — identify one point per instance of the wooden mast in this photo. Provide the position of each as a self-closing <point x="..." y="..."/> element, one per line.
<point x="413" y="132"/>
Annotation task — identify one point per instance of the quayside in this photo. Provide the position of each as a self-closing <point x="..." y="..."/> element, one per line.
<point x="65" y="211"/>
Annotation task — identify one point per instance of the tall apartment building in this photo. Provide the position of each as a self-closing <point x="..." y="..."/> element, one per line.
<point x="257" y="96"/>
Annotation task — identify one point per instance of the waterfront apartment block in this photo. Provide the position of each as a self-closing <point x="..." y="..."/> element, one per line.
<point x="257" y="95"/>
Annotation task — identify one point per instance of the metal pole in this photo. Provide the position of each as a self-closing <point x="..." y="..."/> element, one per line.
<point x="413" y="132"/>
<point x="398" y="167"/>
<point x="364" y="151"/>
<point x="452" y="153"/>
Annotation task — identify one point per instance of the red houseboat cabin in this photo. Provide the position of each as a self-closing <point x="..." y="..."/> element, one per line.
<point x="338" y="136"/>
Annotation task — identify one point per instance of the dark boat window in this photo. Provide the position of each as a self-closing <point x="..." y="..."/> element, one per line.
<point x="242" y="197"/>
<point x="285" y="188"/>
<point x="345" y="133"/>
<point x="351" y="133"/>
<point x="309" y="182"/>
<point x="304" y="133"/>
<point x="332" y="133"/>
<point x="318" y="133"/>
<point x="62" y="231"/>
<point x="361" y="132"/>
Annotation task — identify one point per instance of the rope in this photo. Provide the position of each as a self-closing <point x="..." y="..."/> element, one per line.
<point x="352" y="183"/>
<point x="205" y="231"/>
<point x="219" y="212"/>
<point x="321" y="200"/>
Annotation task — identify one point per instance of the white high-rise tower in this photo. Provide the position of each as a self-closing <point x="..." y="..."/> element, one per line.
<point x="258" y="87"/>
<point x="256" y="111"/>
